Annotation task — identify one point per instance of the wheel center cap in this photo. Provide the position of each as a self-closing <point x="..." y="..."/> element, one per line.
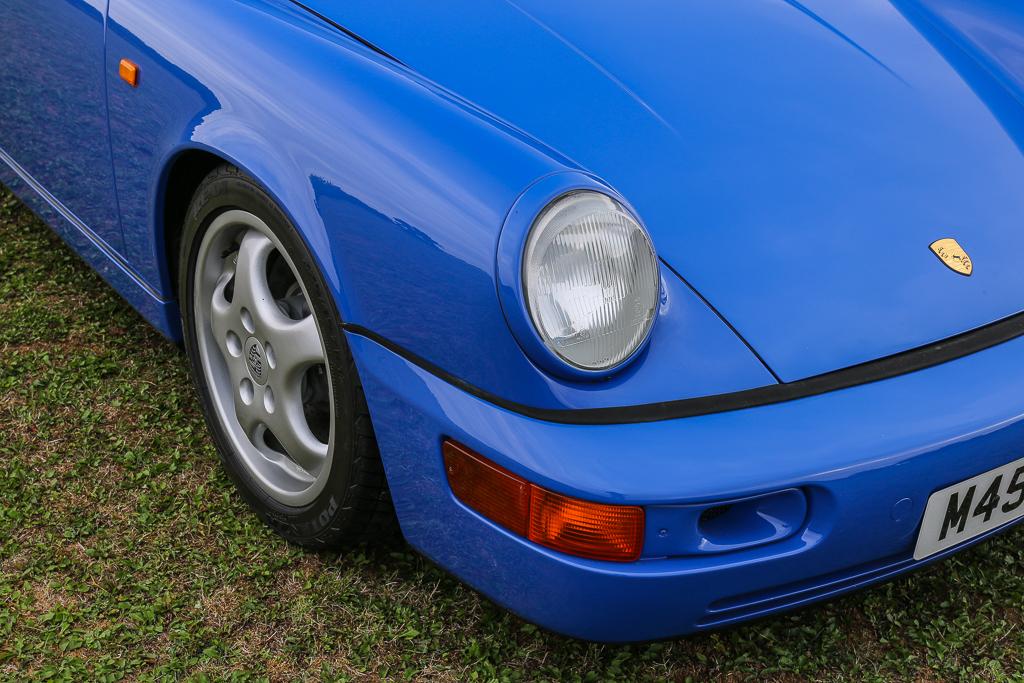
<point x="256" y="360"/>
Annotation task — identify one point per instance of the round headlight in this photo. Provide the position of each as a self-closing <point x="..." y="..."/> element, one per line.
<point x="591" y="280"/>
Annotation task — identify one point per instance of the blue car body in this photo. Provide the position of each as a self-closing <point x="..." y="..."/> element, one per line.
<point x="812" y="366"/>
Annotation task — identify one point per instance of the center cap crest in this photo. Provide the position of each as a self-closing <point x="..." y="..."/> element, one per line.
<point x="256" y="360"/>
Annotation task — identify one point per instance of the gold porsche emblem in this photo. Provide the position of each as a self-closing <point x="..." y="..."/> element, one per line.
<point x="953" y="255"/>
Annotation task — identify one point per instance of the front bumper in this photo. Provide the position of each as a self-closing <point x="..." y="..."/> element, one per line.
<point x="867" y="458"/>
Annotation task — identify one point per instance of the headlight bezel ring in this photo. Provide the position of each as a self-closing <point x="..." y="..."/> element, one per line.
<point x="516" y="235"/>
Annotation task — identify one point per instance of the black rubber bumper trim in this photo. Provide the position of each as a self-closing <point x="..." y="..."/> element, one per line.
<point x="873" y="371"/>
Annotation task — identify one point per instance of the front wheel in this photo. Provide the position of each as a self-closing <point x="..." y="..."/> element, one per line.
<point x="274" y="374"/>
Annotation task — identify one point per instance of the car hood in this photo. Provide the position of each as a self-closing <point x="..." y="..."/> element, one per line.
<point x="792" y="161"/>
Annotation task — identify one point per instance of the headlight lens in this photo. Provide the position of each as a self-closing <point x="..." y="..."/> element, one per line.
<point x="591" y="280"/>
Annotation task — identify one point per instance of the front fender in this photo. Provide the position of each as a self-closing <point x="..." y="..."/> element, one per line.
<point x="399" y="188"/>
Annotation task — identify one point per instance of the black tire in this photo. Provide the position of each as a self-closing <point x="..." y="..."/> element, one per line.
<point x="355" y="504"/>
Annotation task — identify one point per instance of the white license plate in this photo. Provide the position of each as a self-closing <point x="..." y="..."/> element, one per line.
<point x="970" y="508"/>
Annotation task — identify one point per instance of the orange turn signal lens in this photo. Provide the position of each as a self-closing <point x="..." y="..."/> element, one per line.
<point x="129" y="72"/>
<point x="578" y="527"/>
<point x="569" y="525"/>
<point x="493" y="491"/>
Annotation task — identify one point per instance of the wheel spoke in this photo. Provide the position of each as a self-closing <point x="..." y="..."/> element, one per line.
<point x="223" y="317"/>
<point x="252" y="291"/>
<point x="288" y="466"/>
<point x="249" y="406"/>
<point x="288" y="423"/>
<point x="296" y="346"/>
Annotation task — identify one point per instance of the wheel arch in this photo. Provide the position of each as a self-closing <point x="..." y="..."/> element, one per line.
<point x="184" y="170"/>
<point x="180" y="180"/>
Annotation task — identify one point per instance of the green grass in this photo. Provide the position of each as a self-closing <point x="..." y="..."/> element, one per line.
<point x="125" y="552"/>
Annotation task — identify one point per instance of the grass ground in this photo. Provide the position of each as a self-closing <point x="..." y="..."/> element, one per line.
<point x="125" y="553"/>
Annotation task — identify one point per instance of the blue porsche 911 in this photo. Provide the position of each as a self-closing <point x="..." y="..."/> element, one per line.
<point x="641" y="318"/>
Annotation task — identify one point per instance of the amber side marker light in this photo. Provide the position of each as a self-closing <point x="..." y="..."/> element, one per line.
<point x="129" y="72"/>
<point x="569" y="525"/>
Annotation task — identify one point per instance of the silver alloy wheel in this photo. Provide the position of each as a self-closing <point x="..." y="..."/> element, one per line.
<point x="264" y="358"/>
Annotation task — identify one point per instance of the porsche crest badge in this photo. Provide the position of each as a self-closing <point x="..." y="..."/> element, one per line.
<point x="953" y="255"/>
